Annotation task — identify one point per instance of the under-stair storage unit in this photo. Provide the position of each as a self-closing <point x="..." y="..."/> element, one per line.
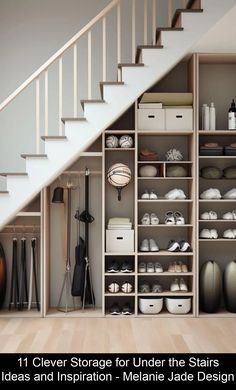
<point x="23" y="242"/>
<point x="216" y="222"/>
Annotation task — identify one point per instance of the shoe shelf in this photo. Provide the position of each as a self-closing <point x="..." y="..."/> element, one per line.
<point x="119" y="149"/>
<point x="217" y="200"/>
<point x="167" y="294"/>
<point x="108" y="294"/>
<point x="165" y="226"/>
<point x="229" y="221"/>
<point x="165" y="178"/>
<point x="165" y="200"/>
<point x="165" y="162"/>
<point x="119" y="253"/>
<point x="165" y="253"/>
<point x="228" y="240"/>
<point x="217" y="132"/>
<point x="158" y="274"/>
<point x="122" y="274"/>
<point x="115" y="132"/>
<point x="165" y="132"/>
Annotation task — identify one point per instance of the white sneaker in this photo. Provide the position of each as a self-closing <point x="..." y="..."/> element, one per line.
<point x="153" y="246"/>
<point x="209" y="233"/>
<point x="229" y="233"/>
<point x="231" y="194"/>
<point x="179" y="219"/>
<point x="211" y="193"/>
<point x="209" y="215"/>
<point x="214" y="233"/>
<point x="183" y="285"/>
<point x="144" y="247"/>
<point x="150" y="267"/>
<point x="169" y="218"/>
<point x="158" y="267"/>
<point x="153" y="195"/>
<point x="175" y="285"/>
<point x="145" y="195"/>
<point x="175" y="194"/>
<point x="142" y="267"/>
<point x="229" y="215"/>
<point x="146" y="219"/>
<point x="154" y="219"/>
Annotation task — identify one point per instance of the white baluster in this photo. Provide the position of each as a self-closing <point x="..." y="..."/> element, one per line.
<point x="37" y="116"/>
<point x="75" y="77"/>
<point x="170" y="12"/>
<point x="104" y="49"/>
<point x="145" y="21"/>
<point x="133" y="30"/>
<point x="60" y="94"/>
<point x="46" y="100"/>
<point x="184" y="3"/>
<point x="89" y="65"/>
<point x="118" y="34"/>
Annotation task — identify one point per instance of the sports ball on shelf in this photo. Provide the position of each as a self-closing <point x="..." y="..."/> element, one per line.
<point x="174" y="155"/>
<point x="113" y="287"/>
<point x="148" y="171"/>
<point x="119" y="176"/>
<point x="112" y="141"/>
<point x="127" y="287"/>
<point x="126" y="141"/>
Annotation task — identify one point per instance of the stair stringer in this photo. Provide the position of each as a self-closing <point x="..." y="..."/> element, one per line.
<point x="62" y="153"/>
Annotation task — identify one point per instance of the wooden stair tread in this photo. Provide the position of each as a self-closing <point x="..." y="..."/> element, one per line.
<point x="4" y="192"/>
<point x="74" y="119"/>
<point x="102" y="83"/>
<point x="129" y="65"/>
<point x="34" y="155"/>
<point x="160" y="29"/>
<point x="53" y="137"/>
<point x="91" y="101"/>
<point x="191" y="3"/>
<point x="13" y="174"/>
<point x="141" y="47"/>
<point x="179" y="11"/>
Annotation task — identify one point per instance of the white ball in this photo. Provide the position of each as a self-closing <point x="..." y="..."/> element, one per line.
<point x="112" y="141"/>
<point x="119" y="175"/>
<point x="113" y="287"/>
<point x="127" y="287"/>
<point x="126" y="141"/>
<point x="148" y="171"/>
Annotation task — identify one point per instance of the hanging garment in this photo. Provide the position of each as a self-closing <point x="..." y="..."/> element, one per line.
<point x="14" y="289"/>
<point x="33" y="275"/>
<point x="79" y="270"/>
<point x="3" y="275"/>
<point x="23" y="292"/>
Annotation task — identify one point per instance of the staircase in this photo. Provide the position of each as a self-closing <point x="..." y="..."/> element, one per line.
<point x="151" y="61"/>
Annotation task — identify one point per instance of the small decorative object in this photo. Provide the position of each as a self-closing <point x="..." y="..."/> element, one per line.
<point x="148" y="155"/>
<point x="126" y="141"/>
<point x="176" y="171"/>
<point x="119" y="176"/>
<point x="205" y="117"/>
<point x="212" y="124"/>
<point x="148" y="171"/>
<point x="112" y="141"/>
<point x="174" y="155"/>
<point x="232" y="116"/>
<point x="211" y="173"/>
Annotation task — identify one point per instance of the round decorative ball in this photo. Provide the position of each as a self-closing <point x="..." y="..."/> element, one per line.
<point x="126" y="141"/>
<point x="112" y="141"/>
<point x="148" y="171"/>
<point x="119" y="175"/>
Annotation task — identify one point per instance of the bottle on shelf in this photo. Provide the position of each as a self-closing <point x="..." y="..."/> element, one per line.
<point x="205" y="117"/>
<point x="212" y="125"/>
<point x="232" y="116"/>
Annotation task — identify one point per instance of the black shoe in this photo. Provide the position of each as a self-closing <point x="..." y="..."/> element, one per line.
<point x="173" y="246"/>
<point x="184" y="246"/>
<point x="126" y="310"/>
<point x="126" y="267"/>
<point x="115" y="309"/>
<point x="113" y="267"/>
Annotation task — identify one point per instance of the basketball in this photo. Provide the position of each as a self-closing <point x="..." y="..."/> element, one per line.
<point x="119" y="175"/>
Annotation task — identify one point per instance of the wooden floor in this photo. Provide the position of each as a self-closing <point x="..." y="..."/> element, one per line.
<point x="117" y="335"/>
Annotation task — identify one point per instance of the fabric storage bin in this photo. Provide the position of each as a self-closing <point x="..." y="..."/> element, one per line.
<point x="151" y="119"/>
<point x="118" y="241"/>
<point x="177" y="305"/>
<point x="179" y="119"/>
<point x="229" y="151"/>
<point x="205" y="151"/>
<point x="150" y="306"/>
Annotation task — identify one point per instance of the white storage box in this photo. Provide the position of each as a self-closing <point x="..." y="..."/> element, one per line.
<point x="151" y="119"/>
<point x="178" y="305"/>
<point x="150" y="306"/>
<point x="118" y="241"/>
<point x="179" y="119"/>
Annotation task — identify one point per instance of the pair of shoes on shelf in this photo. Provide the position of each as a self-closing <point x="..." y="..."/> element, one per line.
<point x="174" y="218"/>
<point x="214" y="193"/>
<point x="230" y="215"/>
<point x="209" y="233"/>
<point x="229" y="233"/>
<point x="114" y="267"/>
<point x="209" y="215"/>
<point x="125" y="287"/>
<point x="149" y="245"/>
<point x="150" y="267"/>
<point x="175" y="246"/>
<point x="150" y="219"/>
<point x="178" y="285"/>
<point x="177" y="266"/>
<point x="146" y="288"/>
<point x="175" y="194"/>
<point x="126" y="309"/>
<point x="149" y="195"/>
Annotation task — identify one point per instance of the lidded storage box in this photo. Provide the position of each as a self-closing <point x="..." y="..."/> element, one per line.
<point x="150" y="305"/>
<point x="118" y="241"/>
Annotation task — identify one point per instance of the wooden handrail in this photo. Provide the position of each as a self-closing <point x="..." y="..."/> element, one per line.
<point x="58" y="54"/>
